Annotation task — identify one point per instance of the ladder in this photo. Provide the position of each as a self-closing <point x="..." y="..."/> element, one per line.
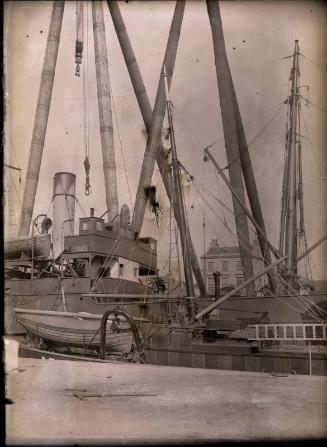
<point x="289" y="331"/>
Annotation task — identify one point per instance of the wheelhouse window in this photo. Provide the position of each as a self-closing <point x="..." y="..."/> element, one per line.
<point x="146" y="271"/>
<point x="99" y="226"/>
<point x="121" y="269"/>
<point x="104" y="272"/>
<point x="210" y="266"/>
<point x="149" y="241"/>
<point x="224" y="266"/>
<point x="75" y="266"/>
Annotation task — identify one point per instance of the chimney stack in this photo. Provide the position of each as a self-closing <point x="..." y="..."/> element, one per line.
<point x="63" y="209"/>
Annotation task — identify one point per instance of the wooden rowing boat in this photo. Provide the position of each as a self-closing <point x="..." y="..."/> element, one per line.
<point x="40" y="245"/>
<point x="78" y="329"/>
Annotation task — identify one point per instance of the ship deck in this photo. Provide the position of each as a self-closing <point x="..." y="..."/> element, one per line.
<point x="61" y="402"/>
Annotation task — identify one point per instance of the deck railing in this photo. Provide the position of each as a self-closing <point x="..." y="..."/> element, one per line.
<point x="290" y="331"/>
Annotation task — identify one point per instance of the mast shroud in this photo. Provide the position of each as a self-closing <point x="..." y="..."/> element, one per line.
<point x="41" y="118"/>
<point x="105" y="113"/>
<point x="231" y="138"/>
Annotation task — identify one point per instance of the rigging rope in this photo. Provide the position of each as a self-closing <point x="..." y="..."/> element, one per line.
<point x="80" y="206"/>
<point x="121" y="148"/>
<point x="180" y="115"/>
<point x="242" y="240"/>
<point x="198" y="185"/>
<point x="302" y="232"/>
<point x="14" y="184"/>
<point x="191" y="178"/>
<point x="87" y="165"/>
<point x="304" y="301"/>
<point x="313" y="62"/>
<point x="106" y="263"/>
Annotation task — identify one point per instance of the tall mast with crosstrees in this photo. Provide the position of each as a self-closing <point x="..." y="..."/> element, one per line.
<point x="178" y="197"/>
<point x="288" y="228"/>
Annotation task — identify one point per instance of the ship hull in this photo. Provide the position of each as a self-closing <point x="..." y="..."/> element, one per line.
<point x="240" y="358"/>
<point x="177" y="347"/>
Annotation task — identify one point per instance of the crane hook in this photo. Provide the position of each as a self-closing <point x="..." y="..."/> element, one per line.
<point x="87" y="172"/>
<point x="87" y="186"/>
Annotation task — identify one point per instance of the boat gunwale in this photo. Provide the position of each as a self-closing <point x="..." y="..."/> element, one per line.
<point x="78" y="315"/>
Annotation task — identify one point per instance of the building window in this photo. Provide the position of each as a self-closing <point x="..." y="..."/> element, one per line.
<point x="85" y="226"/>
<point x="239" y="280"/>
<point x="224" y="281"/>
<point x="136" y="271"/>
<point x="210" y="266"/>
<point x="238" y="266"/>
<point x="224" y="266"/>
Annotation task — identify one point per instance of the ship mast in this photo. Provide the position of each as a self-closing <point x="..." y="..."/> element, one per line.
<point x="155" y="131"/>
<point x="105" y="113"/>
<point x="41" y="118"/>
<point x="227" y="104"/>
<point x="146" y="111"/>
<point x="178" y="196"/>
<point x="288" y="228"/>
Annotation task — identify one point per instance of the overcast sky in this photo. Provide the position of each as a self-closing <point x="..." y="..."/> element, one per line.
<point x="257" y="35"/>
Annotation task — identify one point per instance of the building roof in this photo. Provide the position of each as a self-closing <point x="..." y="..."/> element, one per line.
<point x="216" y="250"/>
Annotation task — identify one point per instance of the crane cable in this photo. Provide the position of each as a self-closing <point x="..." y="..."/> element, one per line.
<point x="78" y="61"/>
